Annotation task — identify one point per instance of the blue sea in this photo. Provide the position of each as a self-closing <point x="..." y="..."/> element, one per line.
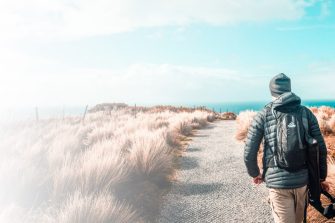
<point x="237" y="107"/>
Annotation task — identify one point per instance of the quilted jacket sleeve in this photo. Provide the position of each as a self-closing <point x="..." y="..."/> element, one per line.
<point x="315" y="132"/>
<point x="254" y="139"/>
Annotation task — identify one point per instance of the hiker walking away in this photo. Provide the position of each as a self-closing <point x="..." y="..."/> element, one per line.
<point x="279" y="126"/>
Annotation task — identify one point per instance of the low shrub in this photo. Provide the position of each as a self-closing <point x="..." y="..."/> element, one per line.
<point x="185" y="129"/>
<point x="244" y="120"/>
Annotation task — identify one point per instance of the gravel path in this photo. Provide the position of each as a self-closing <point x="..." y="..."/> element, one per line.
<point x="212" y="184"/>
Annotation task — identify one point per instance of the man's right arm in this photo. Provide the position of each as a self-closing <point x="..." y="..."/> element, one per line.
<point x="254" y="139"/>
<point x="315" y="132"/>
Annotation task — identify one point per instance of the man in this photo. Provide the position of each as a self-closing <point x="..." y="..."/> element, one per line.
<point x="286" y="179"/>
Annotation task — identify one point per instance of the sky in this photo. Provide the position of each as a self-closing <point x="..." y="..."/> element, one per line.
<point x="78" y="52"/>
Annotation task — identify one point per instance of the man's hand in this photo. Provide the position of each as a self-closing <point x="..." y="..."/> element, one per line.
<point x="325" y="186"/>
<point x="258" y="180"/>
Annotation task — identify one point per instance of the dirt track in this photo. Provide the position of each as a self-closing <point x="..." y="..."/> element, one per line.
<point x="212" y="183"/>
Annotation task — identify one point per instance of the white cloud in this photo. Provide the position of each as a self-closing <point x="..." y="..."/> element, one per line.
<point x="144" y="83"/>
<point x="63" y="19"/>
<point x="149" y="83"/>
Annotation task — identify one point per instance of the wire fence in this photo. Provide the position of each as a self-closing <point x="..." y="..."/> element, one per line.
<point x="38" y="113"/>
<point x="60" y="112"/>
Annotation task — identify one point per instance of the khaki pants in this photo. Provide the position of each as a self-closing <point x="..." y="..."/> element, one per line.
<point x="288" y="205"/>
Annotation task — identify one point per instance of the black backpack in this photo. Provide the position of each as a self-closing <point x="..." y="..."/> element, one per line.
<point x="290" y="149"/>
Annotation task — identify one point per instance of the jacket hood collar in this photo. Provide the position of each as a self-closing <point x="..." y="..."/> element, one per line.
<point x="288" y="99"/>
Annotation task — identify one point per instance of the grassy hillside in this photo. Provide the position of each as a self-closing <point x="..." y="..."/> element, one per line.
<point x="110" y="167"/>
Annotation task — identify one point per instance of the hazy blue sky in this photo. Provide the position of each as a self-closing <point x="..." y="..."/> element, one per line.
<point x="163" y="51"/>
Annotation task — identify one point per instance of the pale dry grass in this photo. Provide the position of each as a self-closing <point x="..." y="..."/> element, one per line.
<point x="101" y="207"/>
<point x="331" y="173"/>
<point x="244" y="120"/>
<point x="185" y="129"/>
<point x="323" y="120"/>
<point x="331" y="123"/>
<point x="111" y="167"/>
<point x="326" y="119"/>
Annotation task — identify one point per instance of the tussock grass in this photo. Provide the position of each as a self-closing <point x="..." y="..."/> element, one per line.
<point x="331" y="173"/>
<point x="101" y="207"/>
<point x="150" y="158"/>
<point x="173" y="139"/>
<point x="185" y="129"/>
<point x="244" y="120"/>
<point x="199" y="123"/>
<point x="331" y="123"/>
<point x="326" y="119"/>
<point x="111" y="167"/>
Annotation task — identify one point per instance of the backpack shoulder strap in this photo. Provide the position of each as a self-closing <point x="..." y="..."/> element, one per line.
<point x="308" y="137"/>
<point x="305" y="119"/>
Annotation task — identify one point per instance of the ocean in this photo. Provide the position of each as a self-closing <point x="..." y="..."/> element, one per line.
<point x="237" y="107"/>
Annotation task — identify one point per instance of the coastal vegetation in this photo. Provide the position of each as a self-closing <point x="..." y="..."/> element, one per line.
<point x="112" y="165"/>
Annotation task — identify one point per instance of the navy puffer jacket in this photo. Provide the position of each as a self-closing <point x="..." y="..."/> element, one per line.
<point x="263" y="128"/>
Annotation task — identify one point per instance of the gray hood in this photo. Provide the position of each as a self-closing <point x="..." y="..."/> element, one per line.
<point x="286" y="102"/>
